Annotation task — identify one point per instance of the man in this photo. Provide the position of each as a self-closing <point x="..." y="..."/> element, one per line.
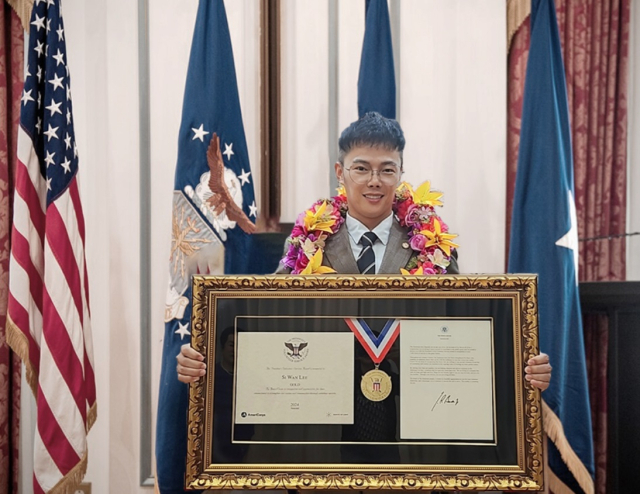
<point x="370" y="168"/>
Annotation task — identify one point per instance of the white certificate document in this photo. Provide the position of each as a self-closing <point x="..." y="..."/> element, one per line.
<point x="446" y="379"/>
<point x="294" y="378"/>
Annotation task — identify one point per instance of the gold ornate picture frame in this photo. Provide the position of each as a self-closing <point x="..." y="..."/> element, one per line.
<point x="240" y="437"/>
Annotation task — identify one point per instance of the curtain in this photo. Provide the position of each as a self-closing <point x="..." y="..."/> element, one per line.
<point x="11" y="76"/>
<point x="595" y="44"/>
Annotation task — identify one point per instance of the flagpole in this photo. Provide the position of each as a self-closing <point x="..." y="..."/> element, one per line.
<point x="146" y="452"/>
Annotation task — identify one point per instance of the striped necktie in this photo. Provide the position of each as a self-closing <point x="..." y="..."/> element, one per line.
<point x="367" y="258"/>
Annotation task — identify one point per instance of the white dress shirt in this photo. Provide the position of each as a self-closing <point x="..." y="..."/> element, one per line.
<point x="356" y="229"/>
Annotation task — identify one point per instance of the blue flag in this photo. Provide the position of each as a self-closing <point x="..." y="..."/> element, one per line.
<point x="544" y="240"/>
<point x="377" y="78"/>
<point x="213" y="202"/>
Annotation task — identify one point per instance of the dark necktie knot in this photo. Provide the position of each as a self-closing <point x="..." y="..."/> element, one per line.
<point x="367" y="259"/>
<point x="368" y="238"/>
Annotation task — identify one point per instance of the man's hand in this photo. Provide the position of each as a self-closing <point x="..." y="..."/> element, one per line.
<point x="538" y="371"/>
<point x="221" y="199"/>
<point x="191" y="366"/>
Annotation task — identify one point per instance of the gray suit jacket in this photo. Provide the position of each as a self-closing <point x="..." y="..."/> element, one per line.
<point x="339" y="256"/>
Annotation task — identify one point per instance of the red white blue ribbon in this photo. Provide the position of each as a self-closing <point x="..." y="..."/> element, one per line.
<point x="376" y="346"/>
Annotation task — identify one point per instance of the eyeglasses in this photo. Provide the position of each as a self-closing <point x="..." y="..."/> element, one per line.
<point x="388" y="174"/>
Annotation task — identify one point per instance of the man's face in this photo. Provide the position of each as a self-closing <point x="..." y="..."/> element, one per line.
<point x="372" y="201"/>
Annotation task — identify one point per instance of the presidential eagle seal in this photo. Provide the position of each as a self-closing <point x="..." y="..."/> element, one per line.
<point x="296" y="349"/>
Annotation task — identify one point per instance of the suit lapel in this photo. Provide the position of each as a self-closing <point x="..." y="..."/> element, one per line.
<point x="397" y="253"/>
<point x="338" y="253"/>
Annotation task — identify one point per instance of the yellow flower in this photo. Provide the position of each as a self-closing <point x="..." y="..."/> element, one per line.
<point x="315" y="265"/>
<point x="424" y="197"/>
<point x="341" y="191"/>
<point x="318" y="220"/>
<point x="407" y="273"/>
<point x="439" y="239"/>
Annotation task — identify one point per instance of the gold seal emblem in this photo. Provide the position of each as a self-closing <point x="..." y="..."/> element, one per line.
<point x="376" y="385"/>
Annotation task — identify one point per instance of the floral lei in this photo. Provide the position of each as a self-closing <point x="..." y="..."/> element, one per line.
<point x="414" y="209"/>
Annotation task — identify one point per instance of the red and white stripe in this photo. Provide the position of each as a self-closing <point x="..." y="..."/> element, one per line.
<point x="49" y="307"/>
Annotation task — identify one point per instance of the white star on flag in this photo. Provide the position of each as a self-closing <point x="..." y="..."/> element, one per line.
<point x="56" y="82"/>
<point x="39" y="22"/>
<point x="60" y="32"/>
<point x="39" y="48"/>
<point x="228" y="151"/>
<point x="48" y="159"/>
<point x="51" y="132"/>
<point x="183" y="330"/>
<point x="54" y="107"/>
<point x="59" y="57"/>
<point x="199" y="133"/>
<point x="66" y="164"/>
<point x="67" y="141"/>
<point x="244" y="177"/>
<point x="253" y="210"/>
<point x="26" y="96"/>
<point x="570" y="239"/>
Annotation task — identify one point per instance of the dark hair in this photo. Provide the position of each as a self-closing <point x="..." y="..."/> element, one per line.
<point x="373" y="130"/>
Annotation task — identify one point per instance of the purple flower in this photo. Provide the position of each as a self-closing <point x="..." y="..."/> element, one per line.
<point x="428" y="270"/>
<point x="418" y="242"/>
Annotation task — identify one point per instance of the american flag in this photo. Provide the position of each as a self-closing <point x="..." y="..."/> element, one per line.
<point x="48" y="313"/>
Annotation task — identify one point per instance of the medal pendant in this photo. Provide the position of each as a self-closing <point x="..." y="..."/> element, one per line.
<point x="376" y="385"/>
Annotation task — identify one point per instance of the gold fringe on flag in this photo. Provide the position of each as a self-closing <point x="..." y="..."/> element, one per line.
<point x="19" y="344"/>
<point x="70" y="482"/>
<point x="23" y="9"/>
<point x="555" y="431"/>
<point x="517" y="12"/>
<point x="92" y="415"/>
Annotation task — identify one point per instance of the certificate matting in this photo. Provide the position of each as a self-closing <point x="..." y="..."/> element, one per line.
<point x="371" y="451"/>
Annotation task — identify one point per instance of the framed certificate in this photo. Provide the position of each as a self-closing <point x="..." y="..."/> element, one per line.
<point x="354" y="382"/>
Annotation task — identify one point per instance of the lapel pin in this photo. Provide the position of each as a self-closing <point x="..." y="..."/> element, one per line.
<point x="405" y="245"/>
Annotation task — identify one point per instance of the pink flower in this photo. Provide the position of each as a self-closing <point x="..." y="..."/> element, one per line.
<point x="402" y="209"/>
<point x="297" y="231"/>
<point x="418" y="242"/>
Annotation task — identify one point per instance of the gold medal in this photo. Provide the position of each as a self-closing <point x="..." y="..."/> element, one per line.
<point x="376" y="385"/>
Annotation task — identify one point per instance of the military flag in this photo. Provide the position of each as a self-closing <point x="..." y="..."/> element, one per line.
<point x="214" y="211"/>
<point x="377" y="79"/>
<point x="544" y="240"/>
